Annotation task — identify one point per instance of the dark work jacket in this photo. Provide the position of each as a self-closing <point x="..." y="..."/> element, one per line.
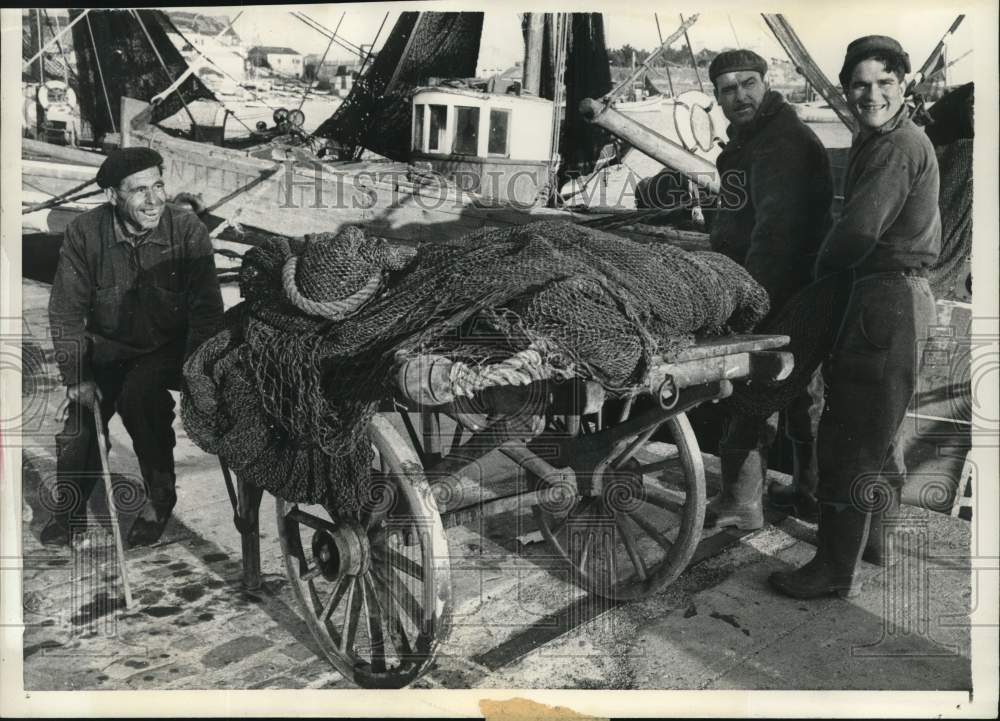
<point x="112" y="301"/>
<point x="891" y="220"/>
<point x="774" y="205"/>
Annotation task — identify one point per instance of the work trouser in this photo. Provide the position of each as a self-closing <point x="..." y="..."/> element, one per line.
<point x="137" y="389"/>
<point x="799" y="420"/>
<point x="870" y="380"/>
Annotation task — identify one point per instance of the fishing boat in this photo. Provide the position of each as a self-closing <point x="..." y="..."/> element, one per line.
<point x="817" y="111"/>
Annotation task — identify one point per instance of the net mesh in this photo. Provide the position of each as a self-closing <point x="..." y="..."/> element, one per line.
<point x="376" y="113"/>
<point x="299" y="392"/>
<point x="128" y="65"/>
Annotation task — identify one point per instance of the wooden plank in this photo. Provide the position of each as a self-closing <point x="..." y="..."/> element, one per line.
<point x="727" y="344"/>
<point x="61" y="153"/>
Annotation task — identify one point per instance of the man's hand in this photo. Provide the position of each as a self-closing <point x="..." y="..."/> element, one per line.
<point x="84" y="393"/>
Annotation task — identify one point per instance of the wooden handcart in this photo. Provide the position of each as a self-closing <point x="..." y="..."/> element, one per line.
<point x="618" y="488"/>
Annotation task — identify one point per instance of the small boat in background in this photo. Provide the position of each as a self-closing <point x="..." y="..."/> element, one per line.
<point x="817" y="111"/>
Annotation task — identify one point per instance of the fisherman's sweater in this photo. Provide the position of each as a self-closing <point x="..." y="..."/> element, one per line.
<point x="891" y="219"/>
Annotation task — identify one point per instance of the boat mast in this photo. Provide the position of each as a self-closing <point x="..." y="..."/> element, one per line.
<point x="694" y="62"/>
<point x="532" y="74"/>
<point x="666" y="63"/>
<point x="41" y="45"/>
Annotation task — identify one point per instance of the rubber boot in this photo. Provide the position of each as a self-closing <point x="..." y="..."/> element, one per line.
<point x="56" y="531"/>
<point x="738" y="504"/>
<point x="152" y="519"/>
<point x="799" y="498"/>
<point x="875" y="547"/>
<point x="843" y="533"/>
<point x="878" y="550"/>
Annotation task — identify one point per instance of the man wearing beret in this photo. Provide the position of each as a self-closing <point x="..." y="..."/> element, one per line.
<point x="888" y="236"/>
<point x="135" y="292"/>
<point x="773" y="212"/>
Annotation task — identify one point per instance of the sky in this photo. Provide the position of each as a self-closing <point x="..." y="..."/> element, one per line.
<point x="825" y="29"/>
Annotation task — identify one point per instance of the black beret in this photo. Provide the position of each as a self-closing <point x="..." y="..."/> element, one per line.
<point x="732" y="60"/>
<point x="867" y="47"/>
<point x="122" y="163"/>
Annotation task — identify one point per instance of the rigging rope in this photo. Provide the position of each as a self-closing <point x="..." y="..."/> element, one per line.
<point x="62" y="53"/>
<point x="322" y="30"/>
<point x="694" y="62"/>
<point x="223" y="71"/>
<point x="163" y="64"/>
<point x="62" y="32"/>
<point x="666" y="65"/>
<point x="319" y="68"/>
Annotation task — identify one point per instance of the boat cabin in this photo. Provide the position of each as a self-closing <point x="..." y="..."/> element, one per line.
<point x="497" y="146"/>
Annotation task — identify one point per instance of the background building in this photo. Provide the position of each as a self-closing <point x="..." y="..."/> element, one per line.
<point x="282" y="61"/>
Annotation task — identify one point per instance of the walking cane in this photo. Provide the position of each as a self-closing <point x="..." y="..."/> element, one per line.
<point x="99" y="423"/>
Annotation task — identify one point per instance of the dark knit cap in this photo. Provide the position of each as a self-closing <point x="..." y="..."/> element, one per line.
<point x="867" y="47"/>
<point x="731" y="61"/>
<point x="122" y="163"/>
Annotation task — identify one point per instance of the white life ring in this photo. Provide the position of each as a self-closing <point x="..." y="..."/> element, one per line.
<point x="699" y="121"/>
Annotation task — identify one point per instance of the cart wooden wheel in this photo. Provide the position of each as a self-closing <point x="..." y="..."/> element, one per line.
<point x="375" y="587"/>
<point x="636" y="537"/>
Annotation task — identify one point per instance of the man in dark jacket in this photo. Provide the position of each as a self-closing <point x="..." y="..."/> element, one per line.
<point x="135" y="292"/>
<point x="773" y="212"/>
<point x="888" y="236"/>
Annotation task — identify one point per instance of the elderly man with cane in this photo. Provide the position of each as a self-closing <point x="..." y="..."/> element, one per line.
<point x="888" y="236"/>
<point x="135" y="293"/>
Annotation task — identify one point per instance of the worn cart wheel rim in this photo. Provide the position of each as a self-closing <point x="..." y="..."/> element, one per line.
<point x="375" y="588"/>
<point x="638" y="536"/>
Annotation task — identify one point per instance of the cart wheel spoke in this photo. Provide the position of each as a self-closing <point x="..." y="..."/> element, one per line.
<point x="631" y="544"/>
<point x="338" y="566"/>
<point x="630" y="547"/>
<point x="373" y="616"/>
<point x="404" y="600"/>
<point x="654" y="468"/>
<point x="335" y="598"/>
<point x="634" y="447"/>
<point x="314" y="522"/>
<point x="349" y="628"/>
<point x="387" y="604"/>
<point x="651" y="531"/>
<point x="580" y="560"/>
<point x="404" y="564"/>
<point x="668" y="499"/>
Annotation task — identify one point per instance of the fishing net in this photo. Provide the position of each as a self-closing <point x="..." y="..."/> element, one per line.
<point x="288" y="397"/>
<point x="952" y="131"/>
<point x="114" y="55"/>
<point x="588" y="75"/>
<point x="376" y="114"/>
<point x="950" y="276"/>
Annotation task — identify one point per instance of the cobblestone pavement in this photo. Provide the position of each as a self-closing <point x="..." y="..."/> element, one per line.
<point x="517" y="623"/>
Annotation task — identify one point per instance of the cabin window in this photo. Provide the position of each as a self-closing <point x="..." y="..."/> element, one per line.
<point x="439" y="126"/>
<point x="499" y="132"/>
<point x="466" y="131"/>
<point x="418" y="127"/>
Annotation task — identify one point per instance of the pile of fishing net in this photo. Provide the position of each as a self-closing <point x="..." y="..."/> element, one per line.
<point x="284" y="396"/>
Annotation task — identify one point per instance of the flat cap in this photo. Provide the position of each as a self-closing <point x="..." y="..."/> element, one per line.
<point x="122" y="163"/>
<point x="870" y="46"/>
<point x="731" y="61"/>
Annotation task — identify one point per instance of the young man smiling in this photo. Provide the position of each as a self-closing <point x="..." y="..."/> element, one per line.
<point x="888" y="236"/>
<point x="135" y="292"/>
<point x="778" y="171"/>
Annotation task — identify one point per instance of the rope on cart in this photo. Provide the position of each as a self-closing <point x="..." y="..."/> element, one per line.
<point x="521" y="369"/>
